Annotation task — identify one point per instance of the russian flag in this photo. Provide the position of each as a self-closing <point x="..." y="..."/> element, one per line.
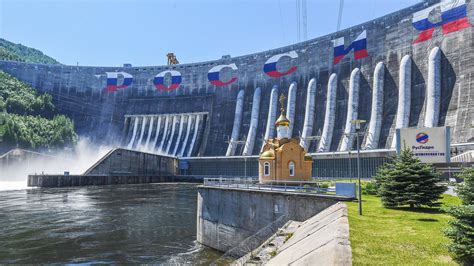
<point x="113" y="79"/>
<point x="453" y="18"/>
<point x="213" y="75"/>
<point x="159" y="80"/>
<point x="270" y="66"/>
<point x="359" y="45"/>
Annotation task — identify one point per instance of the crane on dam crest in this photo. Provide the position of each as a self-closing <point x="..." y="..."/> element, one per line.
<point x="172" y="60"/>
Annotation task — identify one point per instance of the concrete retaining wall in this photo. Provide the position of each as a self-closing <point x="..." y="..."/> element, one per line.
<point x="226" y="217"/>
<point x="321" y="240"/>
<point x="101" y="180"/>
<point x="129" y="162"/>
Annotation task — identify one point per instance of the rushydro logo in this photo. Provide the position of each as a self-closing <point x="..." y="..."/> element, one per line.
<point x="422" y="138"/>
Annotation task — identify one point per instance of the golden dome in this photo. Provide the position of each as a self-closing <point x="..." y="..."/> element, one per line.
<point x="267" y="155"/>
<point x="282" y="121"/>
<point x="308" y="157"/>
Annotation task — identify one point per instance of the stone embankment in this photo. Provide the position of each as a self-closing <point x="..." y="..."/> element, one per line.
<point x="321" y="240"/>
<point x="231" y="220"/>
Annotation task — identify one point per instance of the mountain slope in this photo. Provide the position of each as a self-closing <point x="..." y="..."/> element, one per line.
<point x="29" y="120"/>
<point x="18" y="52"/>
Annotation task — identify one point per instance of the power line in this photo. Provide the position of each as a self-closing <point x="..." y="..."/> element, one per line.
<point x="301" y="20"/>
<point x="305" y="20"/>
<point x="298" y="22"/>
<point x="339" y="17"/>
<point x="281" y="21"/>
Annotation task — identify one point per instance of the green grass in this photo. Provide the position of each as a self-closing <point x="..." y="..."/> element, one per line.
<point x="398" y="236"/>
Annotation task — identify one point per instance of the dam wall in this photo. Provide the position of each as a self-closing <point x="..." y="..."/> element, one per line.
<point x="221" y="107"/>
<point x="54" y="181"/>
<point x="226" y="216"/>
<point x="133" y="163"/>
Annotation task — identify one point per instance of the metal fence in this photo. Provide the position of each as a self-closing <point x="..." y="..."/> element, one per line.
<point x="286" y="186"/>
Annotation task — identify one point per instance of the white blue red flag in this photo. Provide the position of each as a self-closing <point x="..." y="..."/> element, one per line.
<point x="270" y="67"/>
<point x="159" y="80"/>
<point x="113" y="81"/>
<point x="213" y="75"/>
<point x="453" y="18"/>
<point x="359" y="45"/>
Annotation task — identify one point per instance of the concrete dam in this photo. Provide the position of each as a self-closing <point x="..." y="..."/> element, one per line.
<point x="411" y="68"/>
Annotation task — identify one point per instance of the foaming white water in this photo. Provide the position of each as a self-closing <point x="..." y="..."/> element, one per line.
<point x="14" y="173"/>
<point x="13" y="185"/>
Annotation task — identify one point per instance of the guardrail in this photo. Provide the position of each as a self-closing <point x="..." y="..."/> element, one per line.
<point x="254" y="184"/>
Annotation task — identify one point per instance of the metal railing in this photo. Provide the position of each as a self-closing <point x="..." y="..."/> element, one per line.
<point x="286" y="186"/>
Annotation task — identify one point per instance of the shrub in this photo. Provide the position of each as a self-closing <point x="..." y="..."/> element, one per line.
<point x="369" y="188"/>
<point x="407" y="181"/>
<point x="461" y="228"/>
<point x="324" y="185"/>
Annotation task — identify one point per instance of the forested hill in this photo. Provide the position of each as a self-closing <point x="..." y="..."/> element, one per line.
<point x="18" y="52"/>
<point x="29" y="120"/>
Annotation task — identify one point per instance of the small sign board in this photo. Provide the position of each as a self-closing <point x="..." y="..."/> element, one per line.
<point x="431" y="145"/>
<point x="183" y="165"/>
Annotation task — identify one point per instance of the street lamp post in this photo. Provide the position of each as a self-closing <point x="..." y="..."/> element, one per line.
<point x="357" y="129"/>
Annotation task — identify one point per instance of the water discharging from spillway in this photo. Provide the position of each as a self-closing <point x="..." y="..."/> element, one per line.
<point x="171" y="134"/>
<point x="14" y="174"/>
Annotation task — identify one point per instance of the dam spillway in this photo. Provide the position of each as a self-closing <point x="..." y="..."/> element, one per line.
<point x="222" y="107"/>
<point x="179" y="132"/>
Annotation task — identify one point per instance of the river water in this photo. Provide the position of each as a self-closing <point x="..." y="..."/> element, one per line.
<point x="151" y="223"/>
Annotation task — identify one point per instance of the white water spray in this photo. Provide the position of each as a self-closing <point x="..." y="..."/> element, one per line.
<point x="14" y="173"/>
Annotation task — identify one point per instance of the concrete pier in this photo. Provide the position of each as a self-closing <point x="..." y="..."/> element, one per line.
<point x="227" y="216"/>
<point x="102" y="180"/>
<point x="352" y="111"/>
<point x="239" y="106"/>
<point x="375" y="124"/>
<point x="433" y="90"/>
<point x="309" y="113"/>
<point x="252" y="133"/>
<point x="404" y="95"/>
<point x="291" y="105"/>
<point x="330" y="116"/>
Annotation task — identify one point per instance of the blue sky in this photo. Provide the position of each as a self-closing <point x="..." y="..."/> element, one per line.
<point x="141" y="32"/>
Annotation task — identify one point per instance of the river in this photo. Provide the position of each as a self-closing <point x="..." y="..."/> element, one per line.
<point x="151" y="223"/>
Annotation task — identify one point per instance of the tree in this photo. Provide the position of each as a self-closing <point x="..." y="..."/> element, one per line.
<point x="461" y="228"/>
<point x="407" y="181"/>
<point x="29" y="120"/>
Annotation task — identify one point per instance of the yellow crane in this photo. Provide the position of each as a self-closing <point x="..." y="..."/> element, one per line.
<point x="172" y="60"/>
